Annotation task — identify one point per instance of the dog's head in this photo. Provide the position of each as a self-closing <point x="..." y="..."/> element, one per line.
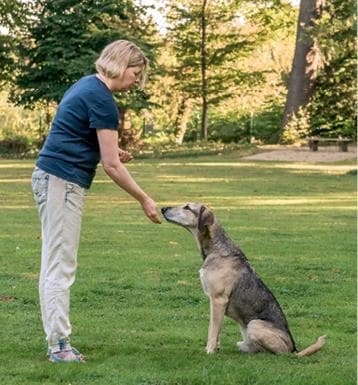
<point x="193" y="216"/>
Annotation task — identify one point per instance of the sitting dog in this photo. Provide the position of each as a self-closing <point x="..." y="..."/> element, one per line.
<point x="234" y="288"/>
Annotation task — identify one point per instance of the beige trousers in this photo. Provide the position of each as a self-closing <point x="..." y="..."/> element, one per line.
<point x="60" y="205"/>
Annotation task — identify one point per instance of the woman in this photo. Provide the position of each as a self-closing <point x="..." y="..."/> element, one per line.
<point x="84" y="132"/>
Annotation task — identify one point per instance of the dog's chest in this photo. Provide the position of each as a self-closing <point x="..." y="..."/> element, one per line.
<point x="204" y="284"/>
<point x="212" y="288"/>
<point x="217" y="281"/>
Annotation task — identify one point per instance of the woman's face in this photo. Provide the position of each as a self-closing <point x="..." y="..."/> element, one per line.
<point x="130" y="78"/>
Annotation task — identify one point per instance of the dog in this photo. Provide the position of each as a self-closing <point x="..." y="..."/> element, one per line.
<point x="234" y="289"/>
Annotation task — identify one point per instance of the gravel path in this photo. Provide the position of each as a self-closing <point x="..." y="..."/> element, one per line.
<point x="303" y="154"/>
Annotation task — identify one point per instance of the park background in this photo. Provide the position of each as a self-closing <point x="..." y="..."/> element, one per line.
<point x="214" y="100"/>
<point x="229" y="71"/>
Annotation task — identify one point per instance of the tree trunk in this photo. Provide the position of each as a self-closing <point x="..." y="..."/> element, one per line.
<point x="204" y="80"/>
<point x="184" y="116"/>
<point x="128" y="138"/>
<point x="306" y="61"/>
<point x="204" y="120"/>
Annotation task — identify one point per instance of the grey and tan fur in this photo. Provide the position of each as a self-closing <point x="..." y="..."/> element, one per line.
<point x="234" y="288"/>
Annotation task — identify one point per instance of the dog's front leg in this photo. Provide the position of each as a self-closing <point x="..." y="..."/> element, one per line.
<point x="217" y="311"/>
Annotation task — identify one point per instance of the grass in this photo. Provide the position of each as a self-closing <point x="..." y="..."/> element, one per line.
<point x="138" y="311"/>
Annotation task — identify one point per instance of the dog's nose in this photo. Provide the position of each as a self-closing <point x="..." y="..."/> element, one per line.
<point x="164" y="209"/>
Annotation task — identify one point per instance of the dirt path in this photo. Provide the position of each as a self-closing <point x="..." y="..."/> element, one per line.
<point x="303" y="154"/>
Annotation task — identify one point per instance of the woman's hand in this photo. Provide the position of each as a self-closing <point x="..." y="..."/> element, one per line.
<point x="124" y="156"/>
<point x="150" y="209"/>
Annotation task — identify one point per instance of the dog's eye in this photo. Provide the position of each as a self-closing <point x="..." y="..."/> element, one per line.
<point x="186" y="207"/>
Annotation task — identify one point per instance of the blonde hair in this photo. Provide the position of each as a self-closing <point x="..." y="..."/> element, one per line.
<point x="117" y="56"/>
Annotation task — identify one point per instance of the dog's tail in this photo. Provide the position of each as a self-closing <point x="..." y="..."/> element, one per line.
<point x="312" y="348"/>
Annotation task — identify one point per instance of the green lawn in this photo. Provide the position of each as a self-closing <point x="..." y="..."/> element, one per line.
<point x="138" y="310"/>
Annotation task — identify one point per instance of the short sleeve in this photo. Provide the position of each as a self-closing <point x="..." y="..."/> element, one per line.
<point x="104" y="114"/>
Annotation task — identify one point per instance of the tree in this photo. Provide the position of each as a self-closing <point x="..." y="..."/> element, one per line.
<point x="202" y="36"/>
<point x="62" y="40"/>
<point x="11" y="19"/>
<point x="59" y="41"/>
<point x="209" y="39"/>
<point x="306" y="61"/>
<point x="333" y="109"/>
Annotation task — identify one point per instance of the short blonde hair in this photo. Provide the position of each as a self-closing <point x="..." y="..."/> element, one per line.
<point x="117" y="56"/>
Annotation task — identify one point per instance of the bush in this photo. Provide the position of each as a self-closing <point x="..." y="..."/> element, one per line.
<point x="242" y="126"/>
<point x="266" y="124"/>
<point x="15" y="147"/>
<point x="229" y="130"/>
<point x="297" y="128"/>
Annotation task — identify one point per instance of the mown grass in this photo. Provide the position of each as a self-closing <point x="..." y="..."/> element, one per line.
<point x="138" y="311"/>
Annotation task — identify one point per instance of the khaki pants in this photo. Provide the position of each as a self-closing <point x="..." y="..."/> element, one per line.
<point x="60" y="205"/>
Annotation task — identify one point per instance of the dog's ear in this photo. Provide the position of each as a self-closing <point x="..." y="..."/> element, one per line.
<point x="206" y="218"/>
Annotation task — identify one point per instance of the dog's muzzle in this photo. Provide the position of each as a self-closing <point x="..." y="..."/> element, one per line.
<point x="164" y="210"/>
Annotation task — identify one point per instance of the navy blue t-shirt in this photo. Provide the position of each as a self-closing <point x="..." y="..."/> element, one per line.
<point x="71" y="150"/>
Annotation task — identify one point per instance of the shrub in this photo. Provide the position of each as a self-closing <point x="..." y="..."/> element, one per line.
<point x="16" y="146"/>
<point x="297" y="128"/>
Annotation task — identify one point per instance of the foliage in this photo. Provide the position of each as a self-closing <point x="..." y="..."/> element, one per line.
<point x="15" y="121"/>
<point x="223" y="45"/>
<point x="223" y="128"/>
<point x="271" y="61"/>
<point x="20" y="129"/>
<point x="137" y="308"/>
<point x="60" y="41"/>
<point x="243" y="125"/>
<point x="209" y="40"/>
<point x="47" y="45"/>
<point x="11" y="19"/>
<point x="229" y="129"/>
<point x="265" y="126"/>
<point x="297" y="128"/>
<point x="334" y="106"/>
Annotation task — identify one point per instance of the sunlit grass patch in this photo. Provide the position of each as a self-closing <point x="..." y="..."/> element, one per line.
<point x="138" y="310"/>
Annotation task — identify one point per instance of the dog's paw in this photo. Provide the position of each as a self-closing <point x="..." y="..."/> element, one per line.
<point x="243" y="347"/>
<point x="211" y="349"/>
